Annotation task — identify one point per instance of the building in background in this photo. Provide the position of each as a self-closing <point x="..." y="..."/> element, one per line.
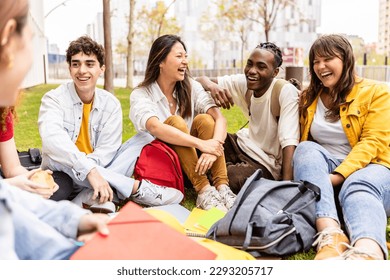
<point x="384" y="27"/>
<point x="37" y="74"/>
<point x="210" y="53"/>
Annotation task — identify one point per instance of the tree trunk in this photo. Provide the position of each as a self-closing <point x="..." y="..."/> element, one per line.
<point x="108" y="74"/>
<point x="162" y="18"/>
<point x="242" y="55"/>
<point x="130" y="53"/>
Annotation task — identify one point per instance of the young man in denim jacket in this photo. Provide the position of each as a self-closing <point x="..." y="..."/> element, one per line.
<point x="81" y="130"/>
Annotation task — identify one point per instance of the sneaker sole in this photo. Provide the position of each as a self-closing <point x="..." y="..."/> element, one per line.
<point x="100" y="209"/>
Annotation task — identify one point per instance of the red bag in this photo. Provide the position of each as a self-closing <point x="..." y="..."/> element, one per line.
<point x="159" y="164"/>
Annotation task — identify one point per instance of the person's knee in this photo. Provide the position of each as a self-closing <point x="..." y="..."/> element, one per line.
<point x="177" y="122"/>
<point x="304" y="150"/>
<point x="358" y="183"/>
<point x="204" y="120"/>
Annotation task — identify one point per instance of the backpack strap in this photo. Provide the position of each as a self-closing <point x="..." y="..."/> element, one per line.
<point x="275" y="105"/>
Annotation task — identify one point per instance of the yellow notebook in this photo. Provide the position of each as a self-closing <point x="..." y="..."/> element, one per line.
<point x="199" y="221"/>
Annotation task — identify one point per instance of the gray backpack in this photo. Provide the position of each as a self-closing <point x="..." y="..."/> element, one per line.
<point x="270" y="217"/>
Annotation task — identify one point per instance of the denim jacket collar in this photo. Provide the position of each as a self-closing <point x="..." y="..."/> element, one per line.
<point x="76" y="99"/>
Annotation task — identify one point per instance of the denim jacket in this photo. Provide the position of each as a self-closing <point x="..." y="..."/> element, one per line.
<point x="59" y="123"/>
<point x="35" y="228"/>
<point x="365" y="117"/>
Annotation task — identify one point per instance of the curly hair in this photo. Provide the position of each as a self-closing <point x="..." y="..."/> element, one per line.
<point x="4" y="111"/>
<point x="85" y="45"/>
<point x="331" y="46"/>
<point x="271" y="47"/>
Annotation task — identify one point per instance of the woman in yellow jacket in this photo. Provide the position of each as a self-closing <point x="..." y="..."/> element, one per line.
<point x="345" y="150"/>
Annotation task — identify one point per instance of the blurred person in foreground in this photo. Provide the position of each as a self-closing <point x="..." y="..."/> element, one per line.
<point x="12" y="170"/>
<point x="33" y="227"/>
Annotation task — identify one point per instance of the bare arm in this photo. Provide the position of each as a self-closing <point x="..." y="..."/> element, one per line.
<point x="221" y="96"/>
<point x="206" y="160"/>
<point x="220" y="124"/>
<point x="18" y="176"/>
<point x="9" y="159"/>
<point x="287" y="170"/>
<point x="336" y="178"/>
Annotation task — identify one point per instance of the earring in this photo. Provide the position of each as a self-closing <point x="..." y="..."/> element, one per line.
<point x="10" y="63"/>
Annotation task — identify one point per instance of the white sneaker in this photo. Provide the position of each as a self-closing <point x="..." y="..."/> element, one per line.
<point x="228" y="197"/>
<point x="84" y="199"/>
<point x="150" y="194"/>
<point x="210" y="198"/>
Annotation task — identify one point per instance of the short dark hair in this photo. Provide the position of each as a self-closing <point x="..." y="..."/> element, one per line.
<point x="271" y="47"/>
<point x="86" y="45"/>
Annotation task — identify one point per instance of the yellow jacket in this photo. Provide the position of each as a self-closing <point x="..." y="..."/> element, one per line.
<point x="365" y="118"/>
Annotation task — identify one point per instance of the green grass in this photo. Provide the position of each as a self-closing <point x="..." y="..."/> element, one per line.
<point x="27" y="135"/>
<point x="26" y="128"/>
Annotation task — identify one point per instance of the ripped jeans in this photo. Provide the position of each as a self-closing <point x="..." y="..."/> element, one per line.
<point x="364" y="196"/>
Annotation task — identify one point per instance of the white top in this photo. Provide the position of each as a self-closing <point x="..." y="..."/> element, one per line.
<point x="151" y="102"/>
<point x="329" y="135"/>
<point x="265" y="138"/>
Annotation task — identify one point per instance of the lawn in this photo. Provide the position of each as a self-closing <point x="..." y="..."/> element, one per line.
<point x="27" y="135"/>
<point x="26" y="127"/>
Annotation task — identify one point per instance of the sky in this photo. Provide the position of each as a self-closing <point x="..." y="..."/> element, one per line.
<point x="352" y="17"/>
<point x="68" y="22"/>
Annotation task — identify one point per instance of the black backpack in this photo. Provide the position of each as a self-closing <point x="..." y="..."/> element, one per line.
<point x="270" y="217"/>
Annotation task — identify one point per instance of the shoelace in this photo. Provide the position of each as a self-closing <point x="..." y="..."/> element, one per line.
<point x="226" y="193"/>
<point x="325" y="237"/>
<point x="357" y="254"/>
<point x="148" y="190"/>
<point x="212" y="198"/>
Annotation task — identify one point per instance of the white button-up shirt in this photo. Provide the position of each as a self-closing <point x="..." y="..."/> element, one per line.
<point x="151" y="102"/>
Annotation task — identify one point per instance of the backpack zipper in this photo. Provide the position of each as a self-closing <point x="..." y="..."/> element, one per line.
<point x="271" y="243"/>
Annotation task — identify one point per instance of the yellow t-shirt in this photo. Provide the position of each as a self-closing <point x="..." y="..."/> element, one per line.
<point x="83" y="142"/>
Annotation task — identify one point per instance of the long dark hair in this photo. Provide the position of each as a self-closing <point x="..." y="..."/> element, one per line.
<point x="160" y="49"/>
<point x="332" y="45"/>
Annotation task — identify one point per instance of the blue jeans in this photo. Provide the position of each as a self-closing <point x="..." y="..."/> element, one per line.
<point x="364" y="196"/>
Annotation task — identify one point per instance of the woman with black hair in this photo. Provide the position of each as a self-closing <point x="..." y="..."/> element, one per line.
<point x="176" y="109"/>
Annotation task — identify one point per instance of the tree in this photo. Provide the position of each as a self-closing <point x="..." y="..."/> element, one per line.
<point x="239" y="24"/>
<point x="130" y="52"/>
<point x="109" y="73"/>
<point x="153" y="22"/>
<point x="164" y="12"/>
<point x="265" y="12"/>
<point x="213" y="29"/>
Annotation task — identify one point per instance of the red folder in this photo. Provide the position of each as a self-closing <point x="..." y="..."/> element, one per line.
<point x="136" y="235"/>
